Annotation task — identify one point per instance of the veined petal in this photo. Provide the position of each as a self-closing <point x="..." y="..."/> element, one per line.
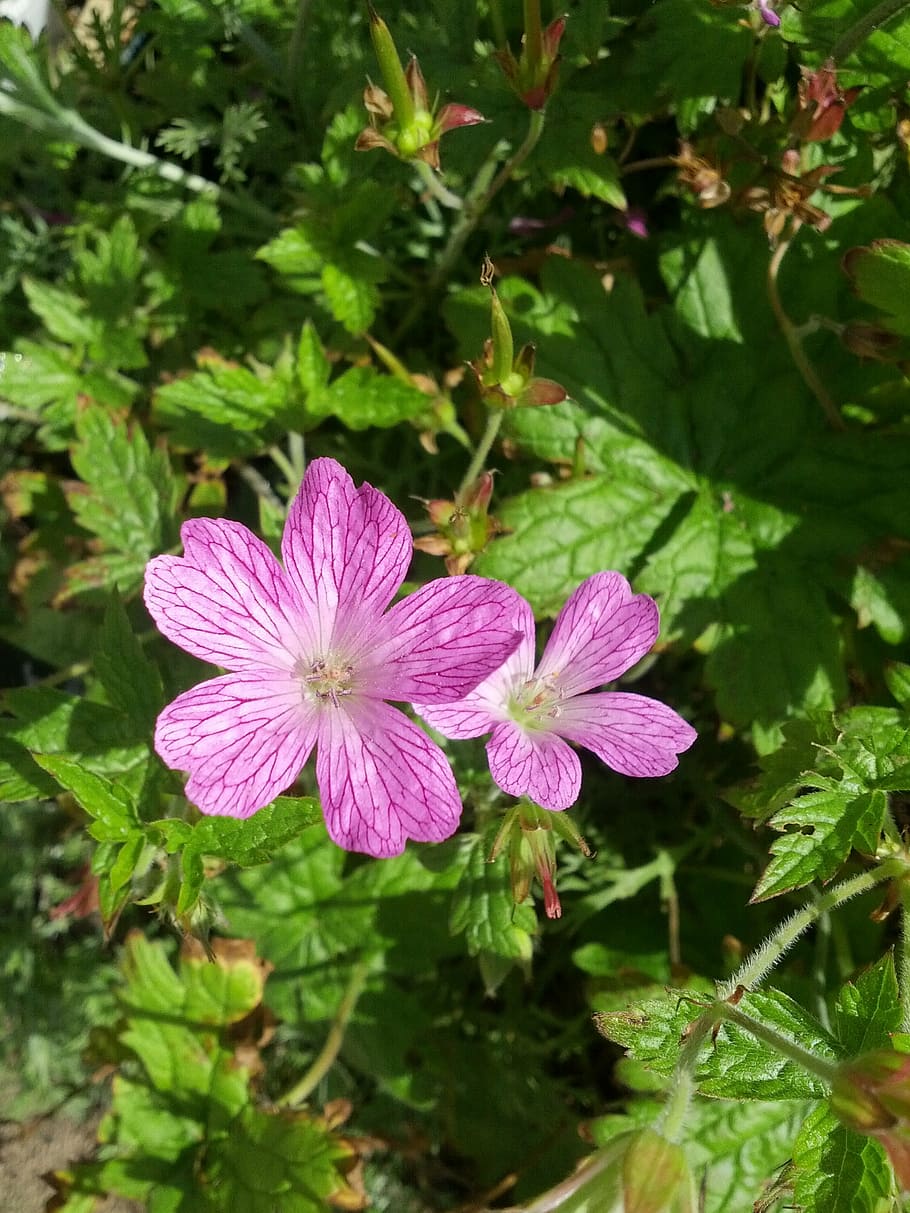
<point x="346" y="551"/>
<point x="488" y="704"/>
<point x="440" y="642"/>
<point x="632" y="734"/>
<point x="535" y="764"/>
<point x="601" y="632"/>
<point x="243" y="738"/>
<point x="227" y="599"/>
<point x="382" y="780"/>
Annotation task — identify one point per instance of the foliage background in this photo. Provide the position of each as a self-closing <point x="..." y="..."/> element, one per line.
<point x="176" y="341"/>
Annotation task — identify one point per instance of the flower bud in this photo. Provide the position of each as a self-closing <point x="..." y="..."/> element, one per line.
<point x="871" y="1095"/>
<point x="656" y="1176"/>
<point x="402" y="120"/>
<point x="534" y="74"/>
<point x="506" y="380"/>
<point x="463" y="527"/>
<point x="530" y="833"/>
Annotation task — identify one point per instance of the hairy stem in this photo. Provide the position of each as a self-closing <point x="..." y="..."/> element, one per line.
<point x="791" y="336"/>
<point x="682" y="1083"/>
<point x="904" y="964"/>
<point x="333" y="1041"/>
<point x="822" y="1067"/>
<point x="857" y="34"/>
<point x="756" y="967"/>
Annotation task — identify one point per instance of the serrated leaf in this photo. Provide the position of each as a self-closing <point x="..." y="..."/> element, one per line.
<point x="835" y="1168"/>
<point x="740" y="1066"/>
<point x="313" y="367"/>
<point x="558" y="536"/>
<point x="484" y="910"/>
<point x="822" y="829"/>
<point x="287" y="1160"/>
<point x="131" y="682"/>
<point x="111" y="806"/>
<point x="20" y="776"/>
<point x="362" y="397"/>
<point x="129" y="493"/>
<point x="63" y="313"/>
<point x="352" y="299"/>
<point x="868" y="1011"/>
<point x="226" y="410"/>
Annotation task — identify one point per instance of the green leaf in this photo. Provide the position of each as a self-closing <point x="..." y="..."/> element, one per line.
<point x="484" y="910"/>
<point x="111" y="806"/>
<point x="132" y="683"/>
<point x="835" y="1168"/>
<point x="129" y="494"/>
<point x="226" y="410"/>
<point x="20" y="776"/>
<point x="881" y="277"/>
<point x="285" y="1160"/>
<point x="63" y="312"/>
<point x="739" y="1147"/>
<point x="313" y="367"/>
<point x="821" y="830"/>
<point x="551" y="545"/>
<point x="361" y="397"/>
<point x="897" y="676"/>
<point x="867" y="1011"/>
<point x="740" y="1066"/>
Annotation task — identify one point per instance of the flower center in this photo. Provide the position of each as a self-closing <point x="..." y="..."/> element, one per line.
<point x="326" y="679"/>
<point x="536" y="702"/>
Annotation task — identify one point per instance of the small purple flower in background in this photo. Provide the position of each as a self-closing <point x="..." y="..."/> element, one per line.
<point x="313" y="655"/>
<point x="767" y="13"/>
<point x="601" y="632"/>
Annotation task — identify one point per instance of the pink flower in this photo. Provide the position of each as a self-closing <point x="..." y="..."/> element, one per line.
<point x="601" y="632"/>
<point x="313" y="655"/>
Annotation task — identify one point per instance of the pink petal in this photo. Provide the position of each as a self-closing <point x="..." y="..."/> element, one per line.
<point x="454" y="115"/>
<point x="226" y="600"/>
<point x="630" y="733"/>
<point x="382" y="780"/>
<point x="440" y="642"/>
<point x="243" y="738"/>
<point x="534" y="764"/>
<point x="346" y="552"/>
<point x="601" y="632"/>
<point x="481" y="709"/>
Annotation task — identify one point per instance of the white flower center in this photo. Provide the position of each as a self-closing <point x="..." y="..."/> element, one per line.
<point x="326" y="679"/>
<point x="536" y="702"/>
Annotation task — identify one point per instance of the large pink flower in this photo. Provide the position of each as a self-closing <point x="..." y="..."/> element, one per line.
<point x="601" y="632"/>
<point x="313" y="655"/>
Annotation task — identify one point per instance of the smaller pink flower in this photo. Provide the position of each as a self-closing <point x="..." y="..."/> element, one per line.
<point x="532" y="714"/>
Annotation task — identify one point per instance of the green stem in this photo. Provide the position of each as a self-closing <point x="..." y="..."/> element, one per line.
<point x="295" y="48"/>
<point x="820" y="968"/>
<point x="790" y="334"/>
<point x="480" y="197"/>
<point x="442" y="195"/>
<point x="858" y="33"/>
<point x="260" y="486"/>
<point x="333" y="1041"/>
<point x="759" y="964"/>
<point x="479" y="458"/>
<point x="297" y="456"/>
<point x="499" y="26"/>
<point x="67" y="124"/>
<point x="904" y="974"/>
<point x="822" y="1067"/>
<point x="285" y="466"/>
<point x="682" y="1083"/>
